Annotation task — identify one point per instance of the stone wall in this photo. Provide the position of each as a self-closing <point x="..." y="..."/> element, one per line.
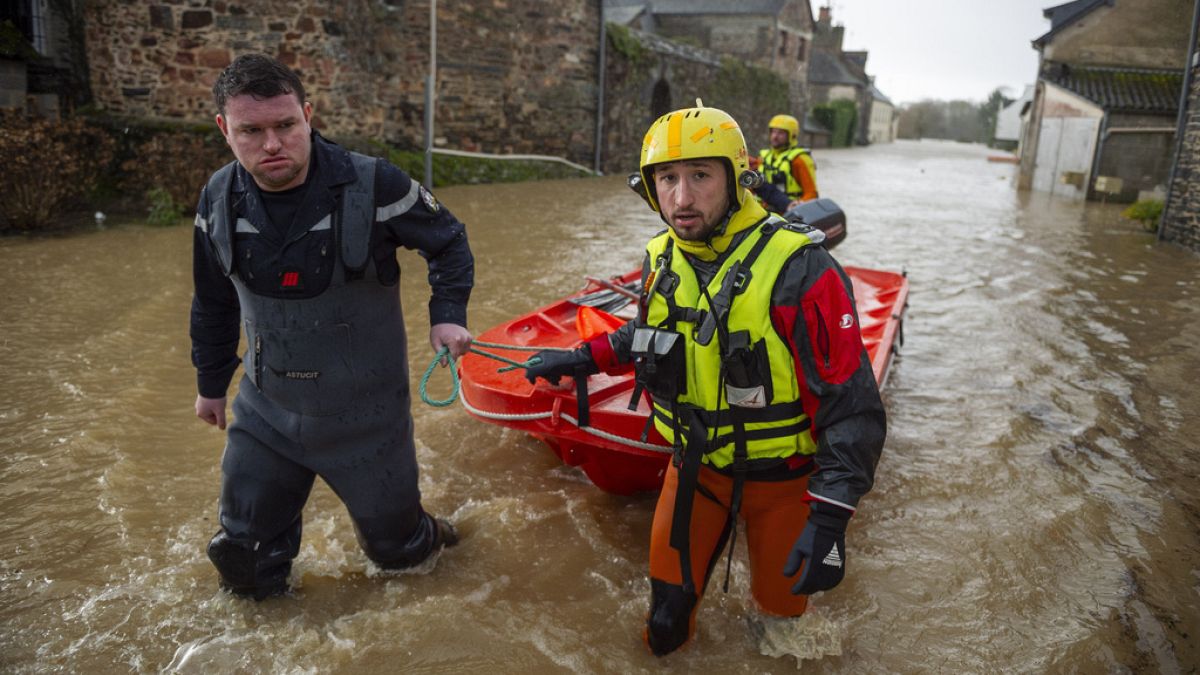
<point x="779" y="41"/>
<point x="1181" y="218"/>
<point x="648" y="76"/>
<point x="513" y="76"/>
<point x="1142" y="34"/>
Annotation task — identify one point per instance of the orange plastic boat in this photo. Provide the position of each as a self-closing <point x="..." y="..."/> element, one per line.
<point x="610" y="450"/>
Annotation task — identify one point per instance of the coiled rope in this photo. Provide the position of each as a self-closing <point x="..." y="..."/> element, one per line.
<point x="444" y="353"/>
<point x="454" y="395"/>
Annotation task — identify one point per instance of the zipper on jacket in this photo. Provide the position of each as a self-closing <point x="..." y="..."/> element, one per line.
<point x="258" y="360"/>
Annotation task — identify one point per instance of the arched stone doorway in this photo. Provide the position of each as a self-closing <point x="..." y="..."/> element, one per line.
<point x="660" y="100"/>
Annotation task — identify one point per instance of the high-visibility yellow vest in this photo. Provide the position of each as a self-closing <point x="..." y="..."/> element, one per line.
<point x="777" y="169"/>
<point x="778" y="427"/>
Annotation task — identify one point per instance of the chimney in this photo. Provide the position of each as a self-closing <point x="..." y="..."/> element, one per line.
<point x="823" y="15"/>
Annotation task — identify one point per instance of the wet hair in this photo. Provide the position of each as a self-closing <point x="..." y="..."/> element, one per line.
<point x="258" y="75"/>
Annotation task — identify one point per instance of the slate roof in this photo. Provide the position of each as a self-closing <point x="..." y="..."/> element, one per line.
<point x="827" y="68"/>
<point x="1064" y="15"/>
<point x="879" y="96"/>
<point x="662" y="45"/>
<point x="623" y="15"/>
<point x="1143" y="90"/>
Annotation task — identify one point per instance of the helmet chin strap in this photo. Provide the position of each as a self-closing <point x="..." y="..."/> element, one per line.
<point x="719" y="229"/>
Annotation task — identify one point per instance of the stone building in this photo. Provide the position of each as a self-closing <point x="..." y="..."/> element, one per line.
<point x="1181" y="211"/>
<point x="772" y="34"/>
<point x="36" y="60"/>
<point x="513" y="76"/>
<point x="881" y="127"/>
<point x="648" y="75"/>
<point x="837" y="74"/>
<point x="1102" y="119"/>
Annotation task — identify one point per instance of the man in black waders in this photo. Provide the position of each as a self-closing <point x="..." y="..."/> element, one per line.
<point x="747" y="341"/>
<point x="296" y="241"/>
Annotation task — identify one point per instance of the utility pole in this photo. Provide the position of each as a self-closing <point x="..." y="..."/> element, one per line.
<point x="430" y="84"/>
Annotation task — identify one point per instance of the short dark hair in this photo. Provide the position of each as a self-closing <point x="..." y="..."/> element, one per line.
<point x="258" y="75"/>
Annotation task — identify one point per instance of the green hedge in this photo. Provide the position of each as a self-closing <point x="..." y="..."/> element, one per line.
<point x="841" y="118"/>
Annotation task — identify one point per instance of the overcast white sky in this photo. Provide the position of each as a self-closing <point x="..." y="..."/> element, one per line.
<point x="944" y="49"/>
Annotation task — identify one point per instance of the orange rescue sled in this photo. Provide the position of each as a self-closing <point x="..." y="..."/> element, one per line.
<point x="610" y="449"/>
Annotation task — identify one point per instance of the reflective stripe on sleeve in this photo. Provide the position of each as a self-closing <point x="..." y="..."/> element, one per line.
<point x="384" y="213"/>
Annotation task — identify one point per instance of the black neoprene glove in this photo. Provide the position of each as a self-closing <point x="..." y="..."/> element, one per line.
<point x="554" y="364"/>
<point x="823" y="544"/>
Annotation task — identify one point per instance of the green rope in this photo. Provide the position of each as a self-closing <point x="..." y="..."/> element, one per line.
<point x="512" y="365"/>
<point x="443" y="352"/>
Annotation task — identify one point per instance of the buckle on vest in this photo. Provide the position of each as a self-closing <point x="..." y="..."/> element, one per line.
<point x="741" y="279"/>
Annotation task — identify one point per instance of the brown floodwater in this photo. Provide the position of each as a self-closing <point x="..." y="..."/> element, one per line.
<point x="1037" y="507"/>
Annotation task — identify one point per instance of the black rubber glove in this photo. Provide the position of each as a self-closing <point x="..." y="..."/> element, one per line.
<point x="554" y="364"/>
<point x="823" y="545"/>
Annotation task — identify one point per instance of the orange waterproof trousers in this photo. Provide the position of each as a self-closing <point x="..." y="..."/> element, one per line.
<point x="774" y="513"/>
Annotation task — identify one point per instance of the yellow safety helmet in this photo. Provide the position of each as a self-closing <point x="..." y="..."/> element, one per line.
<point x="787" y="123"/>
<point x="696" y="133"/>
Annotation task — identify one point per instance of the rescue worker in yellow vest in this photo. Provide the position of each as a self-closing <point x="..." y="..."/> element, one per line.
<point x="752" y="357"/>
<point x="785" y="164"/>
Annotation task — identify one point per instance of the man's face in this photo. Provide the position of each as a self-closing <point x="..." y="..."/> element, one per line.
<point x="270" y="137"/>
<point x="779" y="138"/>
<point x="693" y="196"/>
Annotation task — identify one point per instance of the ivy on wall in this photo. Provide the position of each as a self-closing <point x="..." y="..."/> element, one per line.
<point x="626" y="44"/>
<point x="740" y="83"/>
<point x="841" y="118"/>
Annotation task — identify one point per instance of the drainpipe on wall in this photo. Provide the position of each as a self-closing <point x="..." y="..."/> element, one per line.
<point x="1181" y="122"/>
<point x="1096" y="156"/>
<point x="600" y="89"/>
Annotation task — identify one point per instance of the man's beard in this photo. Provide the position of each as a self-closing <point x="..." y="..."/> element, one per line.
<point x="701" y="234"/>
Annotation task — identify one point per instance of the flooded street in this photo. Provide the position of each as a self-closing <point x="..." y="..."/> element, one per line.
<point x="1036" y="509"/>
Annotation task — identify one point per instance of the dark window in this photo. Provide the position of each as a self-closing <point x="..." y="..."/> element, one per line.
<point x="29" y="16"/>
<point x="783" y="42"/>
<point x="800" y="50"/>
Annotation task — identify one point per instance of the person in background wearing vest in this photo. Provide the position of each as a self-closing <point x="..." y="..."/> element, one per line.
<point x="295" y="242"/>
<point x="785" y="164"/>
<point x="752" y="358"/>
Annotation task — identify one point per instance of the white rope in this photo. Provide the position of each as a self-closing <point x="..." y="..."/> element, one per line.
<point x="501" y="416"/>
<point x="525" y="417"/>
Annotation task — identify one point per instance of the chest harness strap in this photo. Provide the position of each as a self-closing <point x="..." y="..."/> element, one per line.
<point x="702" y="440"/>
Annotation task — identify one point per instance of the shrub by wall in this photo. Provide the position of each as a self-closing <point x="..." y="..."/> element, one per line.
<point x="54" y="168"/>
<point x="164" y="167"/>
<point x="49" y="167"/>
